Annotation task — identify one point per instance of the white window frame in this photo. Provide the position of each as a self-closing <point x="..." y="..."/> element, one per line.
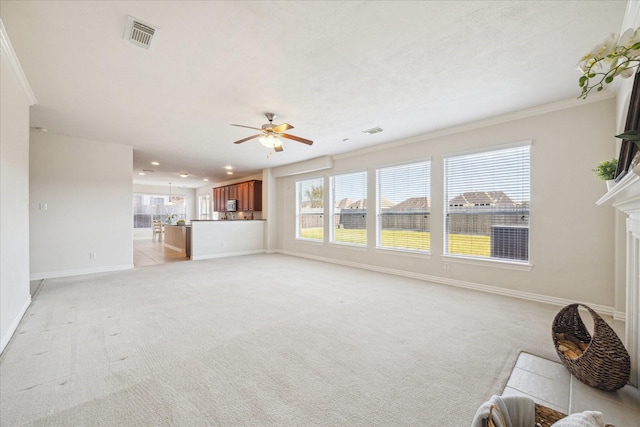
<point x="333" y="213"/>
<point x="299" y="213"/>
<point x="425" y="162"/>
<point x="517" y="263"/>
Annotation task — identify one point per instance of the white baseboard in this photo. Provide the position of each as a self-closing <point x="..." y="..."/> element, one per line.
<point x="619" y="315"/>
<point x="226" y="254"/>
<point x="14" y="325"/>
<point x="80" y="271"/>
<point x="529" y="296"/>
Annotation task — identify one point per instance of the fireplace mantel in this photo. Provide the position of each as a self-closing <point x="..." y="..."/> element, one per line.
<point x="625" y="196"/>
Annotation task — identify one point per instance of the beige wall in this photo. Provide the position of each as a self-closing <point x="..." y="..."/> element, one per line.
<point x="14" y="195"/>
<point x="571" y="238"/>
<point x="87" y="187"/>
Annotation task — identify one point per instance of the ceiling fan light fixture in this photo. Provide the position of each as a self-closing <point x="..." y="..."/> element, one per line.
<point x="270" y="141"/>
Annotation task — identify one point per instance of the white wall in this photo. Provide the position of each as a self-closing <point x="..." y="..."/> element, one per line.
<point x="14" y="191"/>
<point x="87" y="188"/>
<point x="571" y="238"/>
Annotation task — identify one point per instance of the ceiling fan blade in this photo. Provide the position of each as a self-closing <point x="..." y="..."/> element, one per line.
<point x="247" y="138"/>
<point x="248" y="127"/>
<point x="296" y="138"/>
<point x="278" y="148"/>
<point x="281" y="128"/>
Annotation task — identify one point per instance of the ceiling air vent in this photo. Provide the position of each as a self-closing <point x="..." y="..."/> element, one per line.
<point x="139" y="33"/>
<point x="372" y="130"/>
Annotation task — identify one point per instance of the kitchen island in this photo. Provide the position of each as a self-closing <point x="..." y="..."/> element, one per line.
<point x="217" y="239"/>
<point x="178" y="238"/>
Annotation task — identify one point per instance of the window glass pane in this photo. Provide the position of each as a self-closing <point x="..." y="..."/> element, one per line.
<point x="204" y="207"/>
<point x="148" y="207"/>
<point x="403" y="207"/>
<point x="310" y="209"/>
<point x="487" y="209"/>
<point x="349" y="209"/>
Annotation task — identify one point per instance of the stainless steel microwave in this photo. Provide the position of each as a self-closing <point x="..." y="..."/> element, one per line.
<point x="232" y="205"/>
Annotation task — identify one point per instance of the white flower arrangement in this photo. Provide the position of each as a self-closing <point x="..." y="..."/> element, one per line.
<point x="616" y="56"/>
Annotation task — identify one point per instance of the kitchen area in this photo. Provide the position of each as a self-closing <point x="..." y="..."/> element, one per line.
<point x="238" y="229"/>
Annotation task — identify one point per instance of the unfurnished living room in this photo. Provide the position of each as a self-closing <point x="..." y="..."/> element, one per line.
<point x="320" y="213"/>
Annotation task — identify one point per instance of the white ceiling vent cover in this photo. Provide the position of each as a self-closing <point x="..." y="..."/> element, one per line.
<point x="140" y="33"/>
<point x="373" y="130"/>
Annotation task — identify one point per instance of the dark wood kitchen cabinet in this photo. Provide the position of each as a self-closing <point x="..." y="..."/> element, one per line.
<point x="248" y="194"/>
<point x="219" y="200"/>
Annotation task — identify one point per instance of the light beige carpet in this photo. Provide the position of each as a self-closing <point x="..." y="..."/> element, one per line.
<point x="262" y="340"/>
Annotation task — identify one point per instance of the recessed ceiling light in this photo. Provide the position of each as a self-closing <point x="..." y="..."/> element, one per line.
<point x="155" y="163"/>
<point x="206" y="179"/>
<point x="228" y="168"/>
<point x="229" y="173"/>
<point x="184" y="174"/>
<point x="140" y="173"/>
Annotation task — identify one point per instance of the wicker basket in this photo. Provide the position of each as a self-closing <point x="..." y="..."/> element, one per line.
<point x="605" y="364"/>
<point x="545" y="417"/>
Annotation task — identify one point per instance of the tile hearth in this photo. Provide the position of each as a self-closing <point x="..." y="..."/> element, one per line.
<point x="550" y="384"/>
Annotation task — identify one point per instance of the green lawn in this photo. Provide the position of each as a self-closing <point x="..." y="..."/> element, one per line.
<point x="460" y="244"/>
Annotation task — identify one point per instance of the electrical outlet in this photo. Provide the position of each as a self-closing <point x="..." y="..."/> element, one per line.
<point x="92" y="255"/>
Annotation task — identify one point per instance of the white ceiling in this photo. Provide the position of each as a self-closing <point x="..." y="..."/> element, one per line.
<point x="331" y="69"/>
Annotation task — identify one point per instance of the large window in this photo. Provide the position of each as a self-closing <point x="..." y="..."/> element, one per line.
<point x="148" y="207"/>
<point x="310" y="209"/>
<point x="349" y="209"/>
<point x="404" y="207"/>
<point x="487" y="204"/>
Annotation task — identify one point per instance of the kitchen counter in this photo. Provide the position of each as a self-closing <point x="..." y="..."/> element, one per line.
<point x="178" y="238"/>
<point x="222" y="238"/>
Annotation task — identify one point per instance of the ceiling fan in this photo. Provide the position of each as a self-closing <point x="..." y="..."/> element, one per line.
<point x="270" y="133"/>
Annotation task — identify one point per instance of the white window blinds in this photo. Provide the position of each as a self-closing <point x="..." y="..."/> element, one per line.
<point x="487" y="204"/>
<point x="404" y="207"/>
<point x="349" y="209"/>
<point x="310" y="209"/>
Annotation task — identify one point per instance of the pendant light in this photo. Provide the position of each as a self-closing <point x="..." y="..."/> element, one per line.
<point x="170" y="202"/>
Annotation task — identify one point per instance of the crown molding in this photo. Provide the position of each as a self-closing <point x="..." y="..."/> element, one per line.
<point x="509" y="117"/>
<point x="6" y="50"/>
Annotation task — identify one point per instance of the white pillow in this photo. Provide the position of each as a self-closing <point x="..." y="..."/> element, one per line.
<point x="581" y="419"/>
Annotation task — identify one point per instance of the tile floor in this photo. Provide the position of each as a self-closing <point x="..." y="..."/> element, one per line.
<point x="153" y="252"/>
<point x="550" y="384"/>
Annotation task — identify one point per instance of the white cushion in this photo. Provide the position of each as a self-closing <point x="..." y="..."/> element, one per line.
<point x="581" y="419"/>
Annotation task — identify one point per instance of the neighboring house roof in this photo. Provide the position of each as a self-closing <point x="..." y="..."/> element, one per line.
<point x="482" y="198"/>
<point x="412" y="204"/>
<point x="362" y="204"/>
<point x="341" y="204"/>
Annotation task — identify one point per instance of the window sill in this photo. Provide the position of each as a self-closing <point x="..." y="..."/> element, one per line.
<point x="405" y="252"/>
<point x="508" y="265"/>
<point x="309" y="241"/>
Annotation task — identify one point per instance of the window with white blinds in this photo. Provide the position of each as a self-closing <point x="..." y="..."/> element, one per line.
<point x="403" y="207"/>
<point x="349" y="209"/>
<point x="310" y="209"/>
<point x="150" y="207"/>
<point x="487" y="204"/>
